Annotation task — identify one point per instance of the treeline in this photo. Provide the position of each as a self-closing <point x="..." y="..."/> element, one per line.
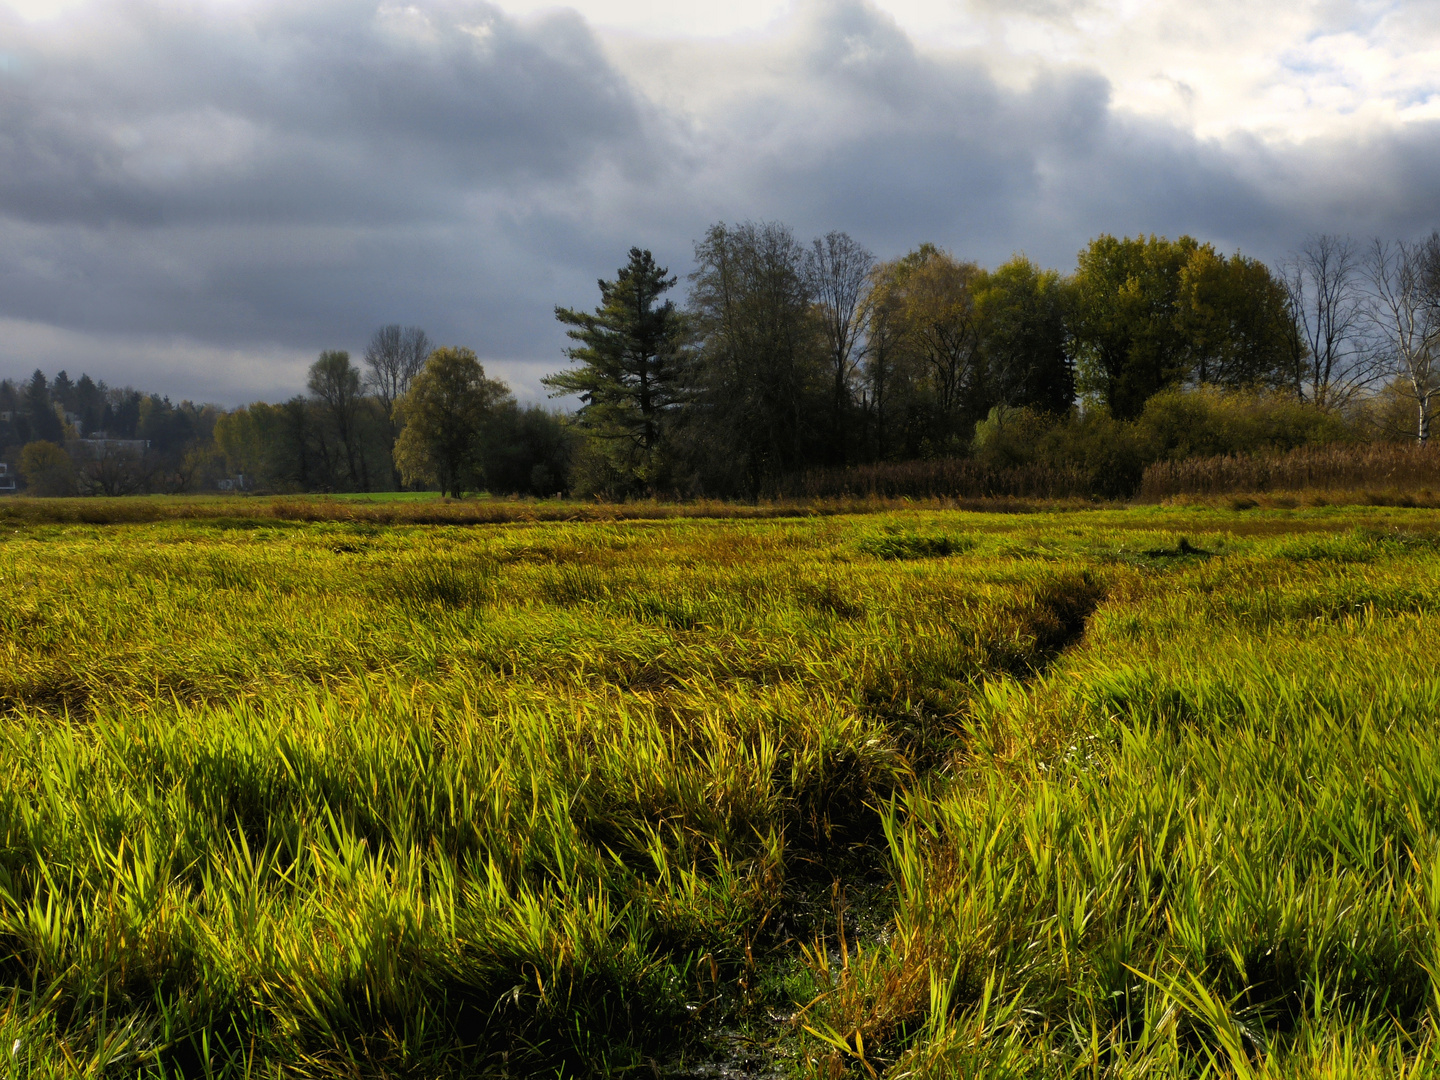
<point x="80" y="436"/>
<point x="346" y="434"/>
<point x="795" y="367"/>
<point x="84" y="438"/>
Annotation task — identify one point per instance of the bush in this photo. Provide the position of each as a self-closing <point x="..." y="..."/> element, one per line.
<point x="1206" y="421"/>
<point x="528" y="451"/>
<point x="1107" y="452"/>
<point x="1392" y="415"/>
<point x="1175" y="425"/>
<point x="47" y="469"/>
<point x="1009" y="437"/>
<point x="601" y="469"/>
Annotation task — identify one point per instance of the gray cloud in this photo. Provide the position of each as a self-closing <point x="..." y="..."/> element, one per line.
<point x="266" y="181"/>
<point x="311" y="114"/>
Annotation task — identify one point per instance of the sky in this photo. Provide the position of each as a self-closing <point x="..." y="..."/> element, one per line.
<point x="198" y="197"/>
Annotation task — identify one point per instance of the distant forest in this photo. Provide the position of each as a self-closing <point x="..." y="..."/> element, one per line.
<point x="788" y="366"/>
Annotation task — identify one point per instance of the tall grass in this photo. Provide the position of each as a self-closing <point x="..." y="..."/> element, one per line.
<point x="913" y="794"/>
<point x="339" y="798"/>
<point x="1205" y="842"/>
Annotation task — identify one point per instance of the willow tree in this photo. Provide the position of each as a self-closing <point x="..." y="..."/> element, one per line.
<point x="1236" y="315"/>
<point x="1126" y="319"/>
<point x="1020" y="311"/>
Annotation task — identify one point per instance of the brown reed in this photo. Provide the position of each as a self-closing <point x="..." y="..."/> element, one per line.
<point x="941" y="478"/>
<point x="1338" y="467"/>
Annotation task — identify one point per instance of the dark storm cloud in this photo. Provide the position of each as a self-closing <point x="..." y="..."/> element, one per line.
<point x="287" y="177"/>
<point x="296" y="174"/>
<point x="902" y="146"/>
<point x="310" y="113"/>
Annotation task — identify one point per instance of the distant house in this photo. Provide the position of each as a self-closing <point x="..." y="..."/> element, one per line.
<point x="98" y="447"/>
<point x="239" y="482"/>
<point x="7" y="480"/>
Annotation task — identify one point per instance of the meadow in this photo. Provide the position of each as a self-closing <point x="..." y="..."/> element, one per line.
<point x="1147" y="792"/>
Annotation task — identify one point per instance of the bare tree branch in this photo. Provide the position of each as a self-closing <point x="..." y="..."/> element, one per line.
<point x="837" y="267"/>
<point x="1326" y="300"/>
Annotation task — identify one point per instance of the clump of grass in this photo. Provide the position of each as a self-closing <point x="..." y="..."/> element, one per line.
<point x="911" y="545"/>
<point x="446" y="581"/>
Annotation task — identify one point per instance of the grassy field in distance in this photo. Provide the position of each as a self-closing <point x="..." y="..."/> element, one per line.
<point x="1120" y="793"/>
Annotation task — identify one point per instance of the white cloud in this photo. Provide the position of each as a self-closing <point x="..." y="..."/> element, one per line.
<point x="1281" y="71"/>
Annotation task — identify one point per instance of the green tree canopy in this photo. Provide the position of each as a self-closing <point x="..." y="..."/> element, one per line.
<point x="45" y="425"/>
<point x="760" y="371"/>
<point x="1236" y="316"/>
<point x="1020" y="312"/>
<point x="923" y="329"/>
<point x="937" y="294"/>
<point x="445" y="413"/>
<point x="1150" y="313"/>
<point x="1129" y="338"/>
<point x="336" y="386"/>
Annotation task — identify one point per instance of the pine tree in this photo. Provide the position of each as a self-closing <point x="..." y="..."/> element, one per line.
<point x="629" y="356"/>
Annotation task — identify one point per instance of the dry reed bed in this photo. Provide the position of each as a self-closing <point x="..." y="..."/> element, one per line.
<point x="1348" y="471"/>
<point x="943" y="478"/>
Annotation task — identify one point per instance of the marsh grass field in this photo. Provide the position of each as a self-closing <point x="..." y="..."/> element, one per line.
<point x="1113" y="793"/>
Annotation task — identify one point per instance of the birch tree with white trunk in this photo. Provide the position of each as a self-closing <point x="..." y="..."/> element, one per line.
<point x="1404" y="315"/>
